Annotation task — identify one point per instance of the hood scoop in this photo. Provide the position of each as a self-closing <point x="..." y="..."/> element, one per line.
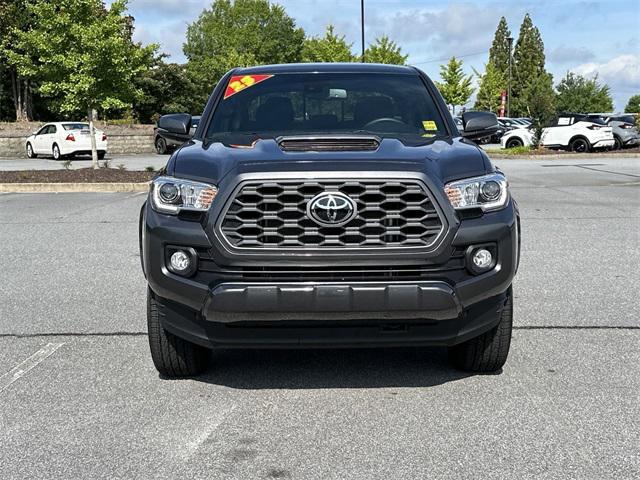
<point x="329" y="143"/>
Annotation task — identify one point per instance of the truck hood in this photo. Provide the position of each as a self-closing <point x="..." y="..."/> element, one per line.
<point x="443" y="160"/>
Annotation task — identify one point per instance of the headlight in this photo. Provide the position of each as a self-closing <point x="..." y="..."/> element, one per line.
<point x="171" y="195"/>
<point x="488" y="192"/>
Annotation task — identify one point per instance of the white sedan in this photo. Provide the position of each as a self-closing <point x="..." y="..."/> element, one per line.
<point x="62" y="139"/>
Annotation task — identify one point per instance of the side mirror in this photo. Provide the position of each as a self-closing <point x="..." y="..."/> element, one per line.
<point x="479" y="125"/>
<point x="178" y="123"/>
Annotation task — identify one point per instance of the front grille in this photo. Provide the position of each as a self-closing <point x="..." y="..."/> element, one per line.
<point x="392" y="213"/>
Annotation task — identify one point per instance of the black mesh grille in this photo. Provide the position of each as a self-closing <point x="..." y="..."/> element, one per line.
<point x="396" y="213"/>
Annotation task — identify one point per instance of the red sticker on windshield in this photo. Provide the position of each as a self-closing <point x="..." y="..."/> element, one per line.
<point x="237" y="83"/>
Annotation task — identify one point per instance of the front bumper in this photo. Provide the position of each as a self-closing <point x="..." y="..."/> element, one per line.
<point x="225" y="306"/>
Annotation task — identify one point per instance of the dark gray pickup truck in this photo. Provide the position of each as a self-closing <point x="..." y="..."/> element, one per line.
<point x="324" y="205"/>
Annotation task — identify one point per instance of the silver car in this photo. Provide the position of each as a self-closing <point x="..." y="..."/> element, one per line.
<point x="625" y="130"/>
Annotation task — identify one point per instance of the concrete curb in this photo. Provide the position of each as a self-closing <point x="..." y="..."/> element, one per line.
<point x="122" y="187"/>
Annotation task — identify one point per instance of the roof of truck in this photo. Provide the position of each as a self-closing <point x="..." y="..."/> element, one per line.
<point x="327" y="68"/>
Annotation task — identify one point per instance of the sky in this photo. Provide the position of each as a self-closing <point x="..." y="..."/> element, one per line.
<point x="586" y="37"/>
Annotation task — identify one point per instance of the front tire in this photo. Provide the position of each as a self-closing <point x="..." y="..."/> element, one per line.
<point x="487" y="352"/>
<point x="30" y="153"/>
<point x="514" y="142"/>
<point x="172" y="356"/>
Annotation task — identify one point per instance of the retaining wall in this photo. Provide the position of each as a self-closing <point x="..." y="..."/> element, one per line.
<point x="13" y="146"/>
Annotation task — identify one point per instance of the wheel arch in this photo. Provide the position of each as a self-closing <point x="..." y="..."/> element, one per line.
<point x="579" y="137"/>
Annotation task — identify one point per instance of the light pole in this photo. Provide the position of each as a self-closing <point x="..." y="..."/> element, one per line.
<point x="362" y="26"/>
<point x="510" y="40"/>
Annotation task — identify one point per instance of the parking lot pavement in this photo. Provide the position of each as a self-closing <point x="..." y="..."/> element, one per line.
<point x="130" y="162"/>
<point x="79" y="397"/>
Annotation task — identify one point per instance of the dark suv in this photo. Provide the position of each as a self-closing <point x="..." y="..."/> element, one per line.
<point x="329" y="205"/>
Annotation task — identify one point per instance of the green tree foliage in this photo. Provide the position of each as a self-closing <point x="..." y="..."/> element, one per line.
<point x="495" y="79"/>
<point x="330" y="48"/>
<point x="239" y="33"/>
<point x="529" y="69"/>
<point x="492" y="83"/>
<point x="541" y="103"/>
<point x="455" y="86"/>
<point x="14" y="19"/>
<point x="85" y="58"/>
<point x="499" y="52"/>
<point x="633" y="105"/>
<point x="6" y="104"/>
<point x="581" y="95"/>
<point x="165" y="88"/>
<point x="385" y="50"/>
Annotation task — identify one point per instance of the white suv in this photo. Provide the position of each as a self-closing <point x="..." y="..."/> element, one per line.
<point x="574" y="132"/>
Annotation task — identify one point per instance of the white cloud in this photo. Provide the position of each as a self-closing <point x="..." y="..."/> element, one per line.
<point x="621" y="72"/>
<point x="455" y="29"/>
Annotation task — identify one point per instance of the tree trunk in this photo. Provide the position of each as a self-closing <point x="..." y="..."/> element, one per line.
<point x="21" y="97"/>
<point x="92" y="133"/>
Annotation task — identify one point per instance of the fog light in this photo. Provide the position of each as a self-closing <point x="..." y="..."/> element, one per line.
<point x="482" y="258"/>
<point x="180" y="262"/>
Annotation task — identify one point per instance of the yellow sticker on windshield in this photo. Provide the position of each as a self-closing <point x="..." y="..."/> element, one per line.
<point x="429" y="125"/>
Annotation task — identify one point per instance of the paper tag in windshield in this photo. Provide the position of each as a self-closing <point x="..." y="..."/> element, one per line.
<point x="429" y="125"/>
<point x="237" y="83"/>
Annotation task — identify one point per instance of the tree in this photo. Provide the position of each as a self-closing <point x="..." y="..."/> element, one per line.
<point x="384" y="50"/>
<point x="540" y="100"/>
<point x="528" y="66"/>
<point x="330" y="48"/>
<point x="13" y="20"/>
<point x="85" y="57"/>
<point x="239" y="33"/>
<point x="492" y="83"/>
<point x="633" y="105"/>
<point x="455" y="87"/>
<point x="581" y="95"/>
<point x="499" y="52"/>
<point x="495" y="79"/>
<point x="165" y="88"/>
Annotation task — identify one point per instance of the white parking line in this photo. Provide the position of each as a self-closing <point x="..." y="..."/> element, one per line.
<point x="21" y="369"/>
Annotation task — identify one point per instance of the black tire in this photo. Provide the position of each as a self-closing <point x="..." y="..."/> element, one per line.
<point x="161" y="146"/>
<point x="579" y="145"/>
<point x="55" y="151"/>
<point x="617" y="143"/>
<point x="487" y="352"/>
<point x="172" y="356"/>
<point x="30" y="153"/>
<point x="514" y="142"/>
<point x="101" y="155"/>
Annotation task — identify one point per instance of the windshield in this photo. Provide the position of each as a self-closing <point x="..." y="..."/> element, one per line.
<point x="387" y="105"/>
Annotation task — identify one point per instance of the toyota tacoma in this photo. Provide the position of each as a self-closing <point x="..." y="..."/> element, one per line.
<point x="329" y="205"/>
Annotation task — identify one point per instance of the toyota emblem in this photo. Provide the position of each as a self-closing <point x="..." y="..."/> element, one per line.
<point x="331" y="209"/>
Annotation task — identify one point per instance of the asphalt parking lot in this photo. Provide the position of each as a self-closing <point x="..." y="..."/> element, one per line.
<point x="79" y="397"/>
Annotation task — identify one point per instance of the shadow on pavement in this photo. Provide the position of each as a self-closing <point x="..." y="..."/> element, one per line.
<point x="331" y="368"/>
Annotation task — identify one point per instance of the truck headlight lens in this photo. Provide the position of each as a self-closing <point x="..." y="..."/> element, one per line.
<point x="171" y="195"/>
<point x="488" y="192"/>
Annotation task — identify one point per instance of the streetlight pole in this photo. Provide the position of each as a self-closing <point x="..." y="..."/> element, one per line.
<point x="362" y="26"/>
<point x="510" y="40"/>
